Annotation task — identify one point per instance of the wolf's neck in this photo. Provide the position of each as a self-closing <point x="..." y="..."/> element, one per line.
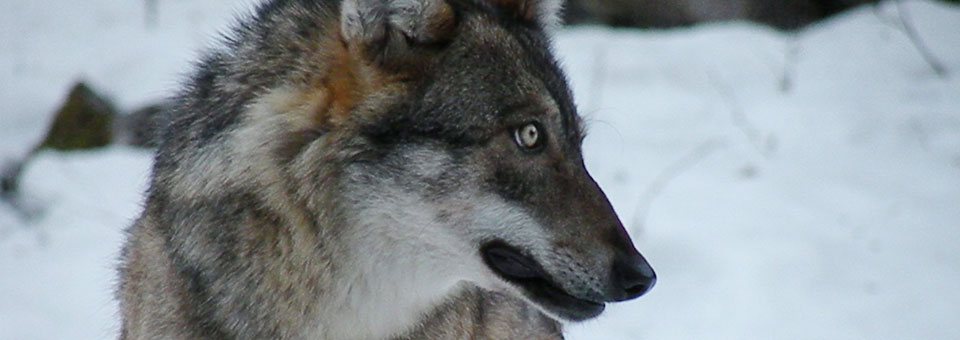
<point x="390" y="278"/>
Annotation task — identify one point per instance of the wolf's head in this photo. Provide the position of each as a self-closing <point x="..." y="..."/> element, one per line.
<point x="468" y="152"/>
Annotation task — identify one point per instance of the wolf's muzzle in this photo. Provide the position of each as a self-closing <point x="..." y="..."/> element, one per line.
<point x="520" y="269"/>
<point x="630" y="277"/>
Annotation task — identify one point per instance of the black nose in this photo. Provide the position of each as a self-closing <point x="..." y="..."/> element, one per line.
<point x="632" y="277"/>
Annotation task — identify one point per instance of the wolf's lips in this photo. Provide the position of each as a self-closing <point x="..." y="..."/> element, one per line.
<point x="522" y="270"/>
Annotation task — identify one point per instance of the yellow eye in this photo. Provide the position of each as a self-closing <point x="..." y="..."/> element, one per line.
<point x="528" y="136"/>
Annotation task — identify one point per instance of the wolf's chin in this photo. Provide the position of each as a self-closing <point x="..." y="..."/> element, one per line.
<point x="535" y="284"/>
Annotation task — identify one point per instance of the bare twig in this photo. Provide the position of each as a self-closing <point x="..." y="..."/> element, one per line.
<point x="790" y="62"/>
<point x="905" y="25"/>
<point x="738" y="117"/>
<point x="878" y="11"/>
<point x="910" y="30"/>
<point x="10" y="194"/>
<point x="667" y="175"/>
<point x="151" y="12"/>
<point x="597" y="79"/>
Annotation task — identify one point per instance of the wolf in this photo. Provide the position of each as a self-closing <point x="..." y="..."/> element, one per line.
<point x="375" y="169"/>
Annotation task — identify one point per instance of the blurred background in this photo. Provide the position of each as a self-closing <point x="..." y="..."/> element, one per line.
<point x="791" y="168"/>
<point x="783" y="14"/>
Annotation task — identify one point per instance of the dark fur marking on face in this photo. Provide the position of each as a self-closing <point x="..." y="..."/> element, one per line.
<point x="510" y="185"/>
<point x="403" y="127"/>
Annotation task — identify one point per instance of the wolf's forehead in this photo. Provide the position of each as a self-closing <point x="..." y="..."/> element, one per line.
<point x="514" y="68"/>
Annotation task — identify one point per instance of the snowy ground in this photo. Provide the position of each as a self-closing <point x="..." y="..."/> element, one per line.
<point x="799" y="186"/>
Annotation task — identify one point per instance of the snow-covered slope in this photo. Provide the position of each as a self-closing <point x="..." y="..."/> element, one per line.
<point x="784" y="186"/>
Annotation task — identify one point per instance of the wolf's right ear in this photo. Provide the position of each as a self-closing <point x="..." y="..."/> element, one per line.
<point x="384" y="29"/>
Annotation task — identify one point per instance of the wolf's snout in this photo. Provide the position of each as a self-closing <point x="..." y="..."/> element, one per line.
<point x="632" y="277"/>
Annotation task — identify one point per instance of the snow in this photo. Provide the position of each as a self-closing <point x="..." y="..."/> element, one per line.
<point x="784" y="186"/>
<point x="58" y="270"/>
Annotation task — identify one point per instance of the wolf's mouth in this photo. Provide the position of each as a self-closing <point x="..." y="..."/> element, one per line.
<point x="522" y="270"/>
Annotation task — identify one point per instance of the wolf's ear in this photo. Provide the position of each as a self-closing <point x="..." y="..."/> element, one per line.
<point x="544" y="12"/>
<point x="386" y="28"/>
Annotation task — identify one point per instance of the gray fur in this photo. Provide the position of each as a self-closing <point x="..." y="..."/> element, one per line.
<point x="342" y="171"/>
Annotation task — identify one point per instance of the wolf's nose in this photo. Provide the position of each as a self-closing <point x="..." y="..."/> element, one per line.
<point x="633" y="277"/>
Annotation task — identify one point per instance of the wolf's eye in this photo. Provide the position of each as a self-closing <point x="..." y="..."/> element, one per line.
<point x="528" y="136"/>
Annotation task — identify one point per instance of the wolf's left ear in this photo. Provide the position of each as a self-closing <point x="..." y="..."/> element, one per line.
<point x="387" y="29"/>
<point x="544" y="12"/>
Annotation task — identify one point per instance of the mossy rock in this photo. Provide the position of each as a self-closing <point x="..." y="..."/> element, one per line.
<point x="83" y="122"/>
